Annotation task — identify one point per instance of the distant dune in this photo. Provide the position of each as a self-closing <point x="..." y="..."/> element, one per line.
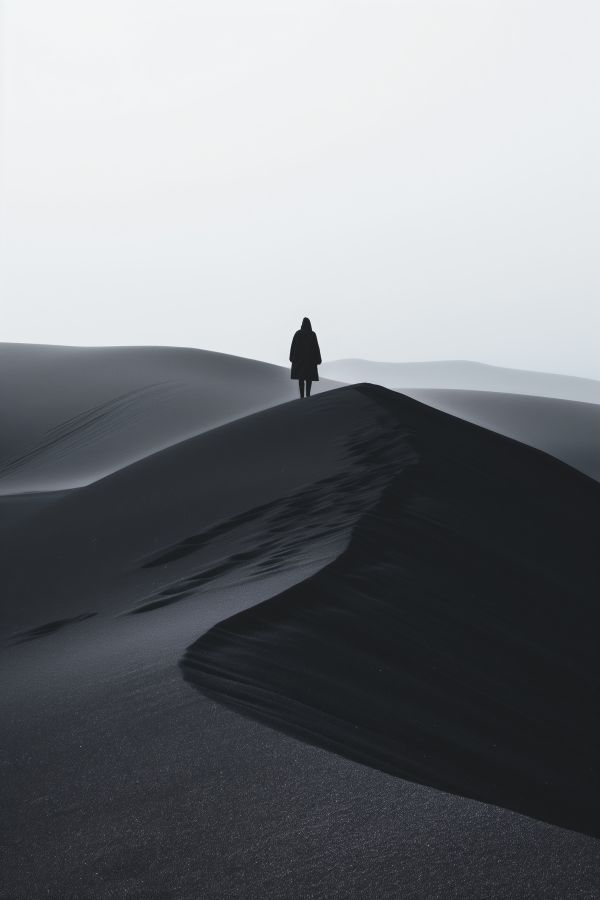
<point x="463" y="375"/>
<point x="74" y="414"/>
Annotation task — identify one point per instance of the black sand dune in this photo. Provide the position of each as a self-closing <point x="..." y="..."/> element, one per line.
<point x="120" y="780"/>
<point x="72" y="415"/>
<point x="454" y="642"/>
<point x="566" y="429"/>
<point x="463" y="375"/>
<point x="255" y="497"/>
<point x="543" y="410"/>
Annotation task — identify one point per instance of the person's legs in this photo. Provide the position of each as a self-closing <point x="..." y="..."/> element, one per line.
<point x="301" y="386"/>
<point x="308" y="387"/>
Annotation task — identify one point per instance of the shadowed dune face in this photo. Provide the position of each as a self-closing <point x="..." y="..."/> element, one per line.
<point x="401" y="531"/>
<point x="75" y="414"/>
<point x="558" y="414"/>
<point x="568" y="430"/>
<point x="454" y="642"/>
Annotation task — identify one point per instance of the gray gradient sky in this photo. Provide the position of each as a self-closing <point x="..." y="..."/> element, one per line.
<point x="421" y="177"/>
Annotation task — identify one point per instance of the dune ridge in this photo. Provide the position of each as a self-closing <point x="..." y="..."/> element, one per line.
<point x="120" y="779"/>
<point x="73" y="415"/>
<point x="266" y="493"/>
<point x="454" y="641"/>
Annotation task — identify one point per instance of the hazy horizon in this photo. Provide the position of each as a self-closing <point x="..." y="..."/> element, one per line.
<point x="326" y="362"/>
<point x="419" y="178"/>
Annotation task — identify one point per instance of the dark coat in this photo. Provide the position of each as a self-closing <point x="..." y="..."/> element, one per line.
<point x="305" y="356"/>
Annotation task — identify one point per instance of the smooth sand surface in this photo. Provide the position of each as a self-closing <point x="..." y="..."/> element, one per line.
<point x="121" y="779"/>
<point x="240" y="501"/>
<point x="564" y="428"/>
<point x="71" y="415"/>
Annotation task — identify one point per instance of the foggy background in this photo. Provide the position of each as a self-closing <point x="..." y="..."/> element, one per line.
<point x="420" y="177"/>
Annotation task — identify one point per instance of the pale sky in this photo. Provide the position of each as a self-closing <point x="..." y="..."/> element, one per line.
<point x="420" y="177"/>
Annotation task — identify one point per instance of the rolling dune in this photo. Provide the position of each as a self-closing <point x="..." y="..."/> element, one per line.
<point x="454" y="641"/>
<point x="72" y="415"/>
<point x="463" y="375"/>
<point x="566" y="429"/>
<point x="357" y="570"/>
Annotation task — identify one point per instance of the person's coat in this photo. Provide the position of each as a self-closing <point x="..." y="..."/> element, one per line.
<point x="305" y="356"/>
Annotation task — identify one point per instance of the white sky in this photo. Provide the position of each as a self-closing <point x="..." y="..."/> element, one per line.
<point x="420" y="177"/>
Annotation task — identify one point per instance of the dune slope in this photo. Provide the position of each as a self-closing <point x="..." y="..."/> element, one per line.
<point x="564" y="428"/>
<point x="255" y="497"/>
<point x="454" y="641"/>
<point x="72" y="415"/>
<point x="119" y="780"/>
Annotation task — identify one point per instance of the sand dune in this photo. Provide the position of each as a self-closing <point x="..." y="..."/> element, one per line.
<point x="554" y="413"/>
<point x="564" y="428"/>
<point x="360" y="570"/>
<point x="465" y="376"/>
<point x="72" y="415"/>
<point x="454" y="641"/>
<point x="253" y="496"/>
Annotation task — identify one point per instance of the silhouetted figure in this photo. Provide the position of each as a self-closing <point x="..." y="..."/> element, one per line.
<point x="305" y="356"/>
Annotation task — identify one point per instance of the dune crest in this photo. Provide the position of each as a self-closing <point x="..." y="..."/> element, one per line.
<point x="454" y="642"/>
<point x="324" y="544"/>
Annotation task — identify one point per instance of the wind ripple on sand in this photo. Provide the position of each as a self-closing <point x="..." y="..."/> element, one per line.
<point x="86" y="430"/>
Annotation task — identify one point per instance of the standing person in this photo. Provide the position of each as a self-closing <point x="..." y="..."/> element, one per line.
<point x="305" y="356"/>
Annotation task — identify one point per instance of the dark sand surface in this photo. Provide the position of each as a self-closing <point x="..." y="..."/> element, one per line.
<point x="71" y="415"/>
<point x="255" y="497"/>
<point x="558" y="414"/>
<point x="564" y="428"/>
<point x="121" y="780"/>
<point x="455" y="640"/>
